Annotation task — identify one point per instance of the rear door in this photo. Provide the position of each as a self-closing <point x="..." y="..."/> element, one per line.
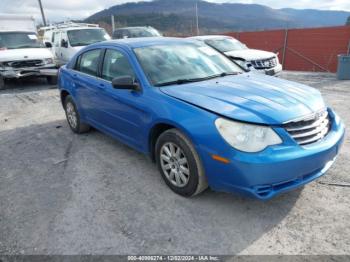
<point x="87" y="84"/>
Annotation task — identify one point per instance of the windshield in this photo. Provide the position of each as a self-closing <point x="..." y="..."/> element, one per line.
<point x="226" y="44"/>
<point x="164" y="64"/>
<point x="16" y="40"/>
<point x="82" y="37"/>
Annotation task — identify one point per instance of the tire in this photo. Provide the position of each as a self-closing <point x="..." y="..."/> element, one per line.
<point x="172" y="165"/>
<point x="2" y="83"/>
<point x="73" y="117"/>
<point x="51" y="80"/>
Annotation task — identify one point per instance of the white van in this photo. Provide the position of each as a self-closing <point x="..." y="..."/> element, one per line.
<point x="68" y="38"/>
<point x="21" y="52"/>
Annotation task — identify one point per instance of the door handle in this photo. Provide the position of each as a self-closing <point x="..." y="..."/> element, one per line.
<point x="75" y="78"/>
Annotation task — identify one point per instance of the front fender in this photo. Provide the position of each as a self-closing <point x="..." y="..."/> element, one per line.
<point x="196" y="123"/>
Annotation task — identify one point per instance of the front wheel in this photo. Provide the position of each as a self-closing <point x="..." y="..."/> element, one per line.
<point x="179" y="164"/>
<point x="73" y="117"/>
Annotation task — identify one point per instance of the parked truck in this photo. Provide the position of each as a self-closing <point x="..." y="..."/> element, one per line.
<point x="21" y="52"/>
<point x="66" y="39"/>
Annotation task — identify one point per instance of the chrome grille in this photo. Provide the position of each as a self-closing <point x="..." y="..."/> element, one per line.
<point x="311" y="129"/>
<point x="265" y="63"/>
<point x="24" y="63"/>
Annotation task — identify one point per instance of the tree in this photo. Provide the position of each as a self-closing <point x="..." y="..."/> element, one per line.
<point x="348" y="21"/>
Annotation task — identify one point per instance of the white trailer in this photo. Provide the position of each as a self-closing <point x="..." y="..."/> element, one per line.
<point x="9" y="22"/>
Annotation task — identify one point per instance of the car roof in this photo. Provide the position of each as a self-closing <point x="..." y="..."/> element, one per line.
<point x="72" y="28"/>
<point x="80" y="28"/>
<point x="209" y="37"/>
<point x="144" y="41"/>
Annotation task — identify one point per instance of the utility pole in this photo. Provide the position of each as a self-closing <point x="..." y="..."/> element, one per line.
<point x="197" y="23"/>
<point x="42" y="12"/>
<point x="285" y="46"/>
<point x="113" y="25"/>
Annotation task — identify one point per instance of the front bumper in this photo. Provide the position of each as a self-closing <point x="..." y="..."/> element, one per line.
<point x="275" y="71"/>
<point x="275" y="170"/>
<point x="47" y="70"/>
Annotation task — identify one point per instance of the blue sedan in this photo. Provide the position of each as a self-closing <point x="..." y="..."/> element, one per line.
<point x="200" y="118"/>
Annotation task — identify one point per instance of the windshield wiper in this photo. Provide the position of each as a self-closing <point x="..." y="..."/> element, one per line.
<point x="184" y="81"/>
<point x="191" y="80"/>
<point x="179" y="82"/>
<point x="86" y="43"/>
<point x="80" y="44"/>
<point x="25" y="46"/>
<point x="228" y="74"/>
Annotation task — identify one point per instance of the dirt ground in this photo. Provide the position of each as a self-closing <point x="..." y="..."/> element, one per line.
<point x="62" y="193"/>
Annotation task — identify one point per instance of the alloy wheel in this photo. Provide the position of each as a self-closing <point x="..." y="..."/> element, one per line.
<point x="71" y="115"/>
<point x="174" y="164"/>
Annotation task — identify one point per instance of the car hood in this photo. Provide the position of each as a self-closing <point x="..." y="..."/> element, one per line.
<point x="250" y="54"/>
<point x="251" y="98"/>
<point x="24" y="54"/>
<point x="78" y="48"/>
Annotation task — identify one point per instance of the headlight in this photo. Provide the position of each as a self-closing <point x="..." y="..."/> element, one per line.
<point x="277" y="59"/>
<point x="48" y="61"/>
<point x="247" y="137"/>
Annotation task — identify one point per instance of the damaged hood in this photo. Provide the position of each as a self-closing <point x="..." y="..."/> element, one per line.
<point x="251" y="98"/>
<point x="250" y="54"/>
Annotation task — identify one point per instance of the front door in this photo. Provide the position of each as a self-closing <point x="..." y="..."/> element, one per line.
<point x="122" y="112"/>
<point x="66" y="52"/>
<point x="56" y="46"/>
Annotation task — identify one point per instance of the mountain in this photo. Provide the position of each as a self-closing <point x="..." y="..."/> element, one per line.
<point x="179" y="16"/>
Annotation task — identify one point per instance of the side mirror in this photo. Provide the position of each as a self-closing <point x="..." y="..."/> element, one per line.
<point x="64" y="43"/>
<point x="48" y="44"/>
<point x="125" y="82"/>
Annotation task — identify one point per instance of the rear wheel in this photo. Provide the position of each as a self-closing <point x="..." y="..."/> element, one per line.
<point x="179" y="164"/>
<point x="73" y="117"/>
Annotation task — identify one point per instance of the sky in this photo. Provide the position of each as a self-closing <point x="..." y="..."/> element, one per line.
<point x="60" y="10"/>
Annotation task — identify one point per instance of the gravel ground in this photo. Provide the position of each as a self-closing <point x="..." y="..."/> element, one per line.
<point x="62" y="193"/>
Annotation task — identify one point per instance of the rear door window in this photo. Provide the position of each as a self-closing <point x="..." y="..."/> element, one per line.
<point x="89" y="62"/>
